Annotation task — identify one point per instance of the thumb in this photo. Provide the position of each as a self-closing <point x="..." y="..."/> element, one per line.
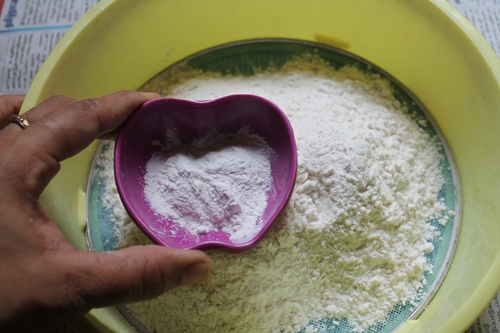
<point x="139" y="273"/>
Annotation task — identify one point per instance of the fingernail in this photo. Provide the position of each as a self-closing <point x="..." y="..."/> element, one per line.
<point x="196" y="273"/>
<point x="150" y="95"/>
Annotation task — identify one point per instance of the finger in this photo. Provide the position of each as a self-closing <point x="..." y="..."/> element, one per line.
<point x="63" y="132"/>
<point x="47" y="107"/>
<point x="9" y="105"/>
<point x="139" y="273"/>
<point x="10" y="133"/>
<point x="67" y="130"/>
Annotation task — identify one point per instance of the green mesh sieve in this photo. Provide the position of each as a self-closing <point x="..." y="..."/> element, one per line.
<point x="244" y="58"/>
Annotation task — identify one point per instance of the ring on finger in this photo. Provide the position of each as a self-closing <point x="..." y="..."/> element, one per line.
<point x="21" y="121"/>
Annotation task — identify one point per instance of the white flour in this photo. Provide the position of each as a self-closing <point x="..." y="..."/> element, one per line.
<point x="216" y="183"/>
<point x="353" y="240"/>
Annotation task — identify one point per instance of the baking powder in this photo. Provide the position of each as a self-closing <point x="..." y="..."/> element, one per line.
<point x="215" y="183"/>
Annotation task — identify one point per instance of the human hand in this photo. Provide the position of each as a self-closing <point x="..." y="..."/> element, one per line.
<point x="44" y="280"/>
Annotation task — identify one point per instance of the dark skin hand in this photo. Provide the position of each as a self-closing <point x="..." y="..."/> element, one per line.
<point x="44" y="280"/>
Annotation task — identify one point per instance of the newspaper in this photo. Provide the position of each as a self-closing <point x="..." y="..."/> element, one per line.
<point x="29" y="29"/>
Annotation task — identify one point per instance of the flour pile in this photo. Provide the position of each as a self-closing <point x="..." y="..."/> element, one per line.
<point x="353" y="240"/>
<point x="215" y="183"/>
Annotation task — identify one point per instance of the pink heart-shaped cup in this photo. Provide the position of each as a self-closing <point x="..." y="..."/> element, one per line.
<point x="139" y="139"/>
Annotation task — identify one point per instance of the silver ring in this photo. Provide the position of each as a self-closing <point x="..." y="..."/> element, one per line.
<point x="15" y="118"/>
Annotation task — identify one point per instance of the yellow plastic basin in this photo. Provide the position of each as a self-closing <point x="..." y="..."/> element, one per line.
<point x="425" y="44"/>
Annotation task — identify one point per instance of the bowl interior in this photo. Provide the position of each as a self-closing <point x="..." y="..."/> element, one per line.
<point x="138" y="141"/>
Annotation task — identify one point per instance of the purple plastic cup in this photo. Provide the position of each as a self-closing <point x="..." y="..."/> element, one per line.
<point x="148" y="124"/>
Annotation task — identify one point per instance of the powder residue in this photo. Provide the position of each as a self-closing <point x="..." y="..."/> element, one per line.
<point x="353" y="239"/>
<point x="214" y="183"/>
